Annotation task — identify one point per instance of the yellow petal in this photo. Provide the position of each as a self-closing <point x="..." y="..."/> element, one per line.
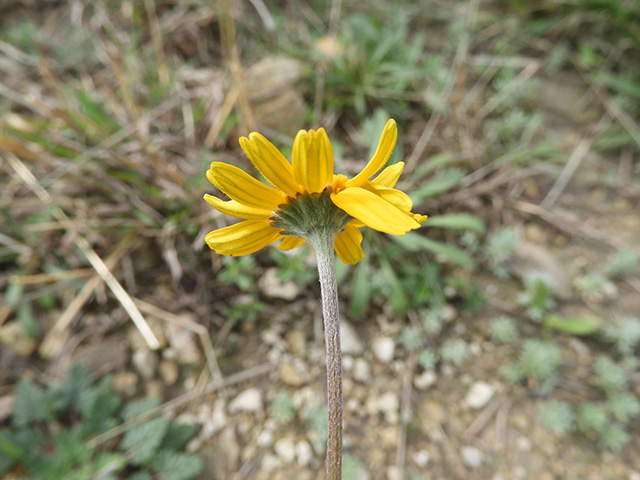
<point x="312" y="160"/>
<point x="243" y="188"/>
<point x="242" y="238"/>
<point x="380" y="157"/>
<point x="395" y="197"/>
<point x="389" y="176"/>
<point x="347" y="245"/>
<point x="271" y="163"/>
<point x="374" y="211"/>
<point x="236" y="209"/>
<point x="290" y="242"/>
<point x="418" y="218"/>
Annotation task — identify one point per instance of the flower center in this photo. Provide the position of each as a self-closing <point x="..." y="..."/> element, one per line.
<point x="339" y="183"/>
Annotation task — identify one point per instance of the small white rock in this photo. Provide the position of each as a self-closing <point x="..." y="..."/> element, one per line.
<point x="271" y="286"/>
<point x="393" y="473"/>
<point x="270" y="463"/>
<point x="425" y="380"/>
<point x="361" y="370"/>
<point x="472" y="457"/>
<point x="525" y="445"/>
<point x="145" y="361"/>
<point x="347" y="363"/>
<point x="389" y="405"/>
<point x="265" y="438"/>
<point x="421" y="458"/>
<point x="285" y="449"/>
<point x="479" y="394"/>
<point x="304" y="453"/>
<point x="349" y="338"/>
<point x="250" y="400"/>
<point x="384" y="348"/>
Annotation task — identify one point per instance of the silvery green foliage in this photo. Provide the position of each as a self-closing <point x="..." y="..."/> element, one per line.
<point x="610" y="376"/>
<point x="591" y="417"/>
<point x="539" y="360"/>
<point x="591" y="285"/>
<point x="282" y="407"/>
<point x="427" y="359"/>
<point x="557" y="416"/>
<point x="454" y="352"/>
<point x="613" y="437"/>
<point x="351" y="467"/>
<point x="624" y="406"/>
<point x="625" y="334"/>
<point x="626" y="262"/>
<point x="431" y="321"/>
<point x="410" y="338"/>
<point x="504" y="330"/>
<point x="499" y="249"/>
<point x="537" y="297"/>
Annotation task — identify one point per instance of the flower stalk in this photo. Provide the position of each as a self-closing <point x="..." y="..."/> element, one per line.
<point x="323" y="244"/>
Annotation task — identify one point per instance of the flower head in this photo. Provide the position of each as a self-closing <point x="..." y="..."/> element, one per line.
<point x="306" y="198"/>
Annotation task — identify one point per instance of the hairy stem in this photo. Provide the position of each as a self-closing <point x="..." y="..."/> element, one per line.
<point x="323" y="244"/>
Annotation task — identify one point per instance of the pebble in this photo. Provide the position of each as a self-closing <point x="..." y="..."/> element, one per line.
<point x="216" y="420"/>
<point x="6" y="406"/>
<point x="349" y="339"/>
<point x="125" y="383"/>
<point x="421" y="458"/>
<point x="169" y="372"/>
<point x="448" y="313"/>
<point x="145" y="361"/>
<point x="183" y="343"/>
<point x="271" y="286"/>
<point x="479" y="394"/>
<point x="425" y="380"/>
<point x="285" y="450"/>
<point x="249" y="400"/>
<point x="304" y="453"/>
<point x="290" y="375"/>
<point x="525" y="445"/>
<point x="265" y="438"/>
<point x="389" y="404"/>
<point x="270" y="463"/>
<point x="384" y="349"/>
<point x="361" y="370"/>
<point x="17" y="339"/>
<point x="472" y="457"/>
<point x="393" y="473"/>
<point x="296" y="341"/>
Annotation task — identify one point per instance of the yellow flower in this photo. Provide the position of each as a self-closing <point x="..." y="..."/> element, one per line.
<point x="306" y="198"/>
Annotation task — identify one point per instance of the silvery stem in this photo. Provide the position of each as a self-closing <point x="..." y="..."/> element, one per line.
<point x="323" y="244"/>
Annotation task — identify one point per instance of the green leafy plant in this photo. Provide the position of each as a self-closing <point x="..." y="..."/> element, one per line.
<point x="499" y="249"/>
<point x="537" y="297"/>
<point x="504" y="329"/>
<point x="240" y="272"/>
<point x="454" y="351"/>
<point x="52" y="427"/>
<point x="557" y="416"/>
<point x="623" y="264"/>
<point x="625" y="334"/>
<point x="539" y="361"/>
<point x="282" y="407"/>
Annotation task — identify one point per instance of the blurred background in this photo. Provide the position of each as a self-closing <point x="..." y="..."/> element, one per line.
<point x="497" y="342"/>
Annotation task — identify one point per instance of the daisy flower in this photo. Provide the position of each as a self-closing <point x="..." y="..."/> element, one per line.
<point x="305" y="198"/>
